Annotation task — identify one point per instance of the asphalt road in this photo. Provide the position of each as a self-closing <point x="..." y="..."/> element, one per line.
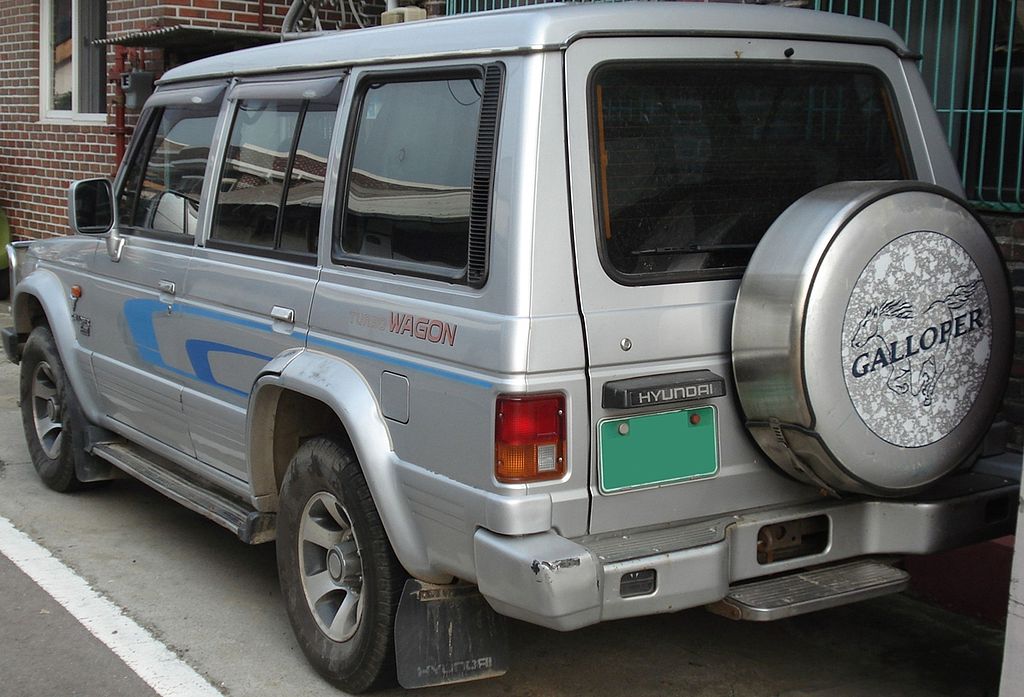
<point x="215" y="603"/>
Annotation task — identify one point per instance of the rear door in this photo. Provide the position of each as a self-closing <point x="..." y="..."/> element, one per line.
<point x="682" y="151"/>
<point x="250" y="285"/>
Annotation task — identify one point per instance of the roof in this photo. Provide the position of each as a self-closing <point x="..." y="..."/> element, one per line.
<point x="540" y="27"/>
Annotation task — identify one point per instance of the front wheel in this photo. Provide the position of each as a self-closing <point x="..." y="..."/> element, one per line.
<point x="52" y="418"/>
<point x="339" y="575"/>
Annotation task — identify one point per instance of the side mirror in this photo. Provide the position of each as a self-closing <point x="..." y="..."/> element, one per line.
<point x="91" y="212"/>
<point x="91" y="206"/>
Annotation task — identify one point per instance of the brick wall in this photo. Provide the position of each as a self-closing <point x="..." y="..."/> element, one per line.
<point x="131" y="15"/>
<point x="38" y="160"/>
<point x="1009" y="232"/>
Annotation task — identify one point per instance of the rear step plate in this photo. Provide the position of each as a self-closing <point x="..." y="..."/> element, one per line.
<point x="810" y="590"/>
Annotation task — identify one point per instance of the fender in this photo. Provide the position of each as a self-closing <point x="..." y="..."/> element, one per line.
<point x="340" y="386"/>
<point x="45" y="287"/>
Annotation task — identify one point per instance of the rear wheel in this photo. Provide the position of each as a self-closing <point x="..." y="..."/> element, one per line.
<point x="339" y="575"/>
<point x="54" y="424"/>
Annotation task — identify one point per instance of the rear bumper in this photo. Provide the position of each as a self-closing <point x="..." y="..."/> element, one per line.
<point x="565" y="584"/>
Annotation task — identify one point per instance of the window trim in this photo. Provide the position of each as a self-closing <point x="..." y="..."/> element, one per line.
<point x="412" y="269"/>
<point x="48" y="114"/>
<point x="890" y="101"/>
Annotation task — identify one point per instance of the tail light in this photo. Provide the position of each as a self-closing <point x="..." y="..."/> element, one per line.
<point x="529" y="438"/>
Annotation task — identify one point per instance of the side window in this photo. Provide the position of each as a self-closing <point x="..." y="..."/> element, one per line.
<point x="270" y="193"/>
<point x="165" y="176"/>
<point x="412" y="202"/>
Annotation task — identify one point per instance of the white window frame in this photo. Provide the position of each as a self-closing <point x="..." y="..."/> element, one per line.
<point x="46" y="111"/>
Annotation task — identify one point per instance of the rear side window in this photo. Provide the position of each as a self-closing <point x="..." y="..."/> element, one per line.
<point x="695" y="160"/>
<point x="419" y="181"/>
<point x="270" y="192"/>
<point x="164" y="178"/>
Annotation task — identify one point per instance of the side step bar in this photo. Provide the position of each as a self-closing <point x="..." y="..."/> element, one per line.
<point x="810" y="590"/>
<point x="251" y="526"/>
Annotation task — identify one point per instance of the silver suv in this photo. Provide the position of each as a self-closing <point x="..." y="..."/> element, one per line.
<point x="565" y="314"/>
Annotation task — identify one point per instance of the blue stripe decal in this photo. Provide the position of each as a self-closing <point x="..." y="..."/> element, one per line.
<point x="199" y="356"/>
<point x="439" y="372"/>
<point x="141" y="317"/>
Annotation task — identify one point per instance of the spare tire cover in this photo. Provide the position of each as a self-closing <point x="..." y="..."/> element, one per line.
<point x="872" y="337"/>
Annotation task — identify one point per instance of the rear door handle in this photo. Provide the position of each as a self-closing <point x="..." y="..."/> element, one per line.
<point x="283" y="314"/>
<point x="166" y="287"/>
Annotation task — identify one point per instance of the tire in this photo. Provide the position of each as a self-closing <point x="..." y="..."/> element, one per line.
<point x="341" y="599"/>
<point x="872" y="337"/>
<point x="54" y="424"/>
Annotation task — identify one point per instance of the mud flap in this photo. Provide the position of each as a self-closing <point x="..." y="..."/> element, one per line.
<point x="447" y="634"/>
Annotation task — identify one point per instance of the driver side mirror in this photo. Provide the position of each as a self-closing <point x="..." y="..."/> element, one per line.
<point x="91" y="212"/>
<point x="91" y="206"/>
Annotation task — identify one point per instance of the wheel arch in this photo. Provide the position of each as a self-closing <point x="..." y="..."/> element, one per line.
<point x="311" y="394"/>
<point x="39" y="299"/>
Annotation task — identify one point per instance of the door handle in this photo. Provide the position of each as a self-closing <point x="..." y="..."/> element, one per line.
<point x="283" y="314"/>
<point x="166" y="287"/>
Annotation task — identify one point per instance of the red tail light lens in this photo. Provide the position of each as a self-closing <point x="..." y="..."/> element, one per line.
<point x="529" y="438"/>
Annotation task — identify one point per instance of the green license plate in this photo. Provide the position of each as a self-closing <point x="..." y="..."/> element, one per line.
<point x="654" y="449"/>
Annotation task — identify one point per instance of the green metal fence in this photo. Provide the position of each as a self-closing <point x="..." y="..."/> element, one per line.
<point x="973" y="63"/>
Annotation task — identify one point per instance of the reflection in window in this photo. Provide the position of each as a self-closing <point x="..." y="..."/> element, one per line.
<point x="694" y="162"/>
<point x="300" y="220"/>
<point x="409" y="188"/>
<point x="270" y="194"/>
<point x="165" y="179"/>
<point x="252" y="180"/>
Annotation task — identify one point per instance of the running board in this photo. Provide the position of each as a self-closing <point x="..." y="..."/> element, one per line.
<point x="251" y="526"/>
<point x="810" y="590"/>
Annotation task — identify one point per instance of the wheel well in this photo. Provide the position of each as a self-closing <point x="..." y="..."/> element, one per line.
<point x="28" y="314"/>
<point x="296" y="419"/>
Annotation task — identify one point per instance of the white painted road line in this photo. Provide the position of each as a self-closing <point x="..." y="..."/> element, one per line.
<point x="168" y="675"/>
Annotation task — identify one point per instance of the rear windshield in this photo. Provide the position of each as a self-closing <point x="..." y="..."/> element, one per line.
<point x="695" y="160"/>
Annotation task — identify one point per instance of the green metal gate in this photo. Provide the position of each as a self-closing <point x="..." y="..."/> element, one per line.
<point x="973" y="63"/>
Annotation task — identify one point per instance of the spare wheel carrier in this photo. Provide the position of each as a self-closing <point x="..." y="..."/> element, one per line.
<point x="872" y="337"/>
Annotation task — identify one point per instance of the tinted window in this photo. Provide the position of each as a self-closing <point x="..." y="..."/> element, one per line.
<point x="695" y="161"/>
<point x="165" y="177"/>
<point x="271" y="187"/>
<point x="408" y="199"/>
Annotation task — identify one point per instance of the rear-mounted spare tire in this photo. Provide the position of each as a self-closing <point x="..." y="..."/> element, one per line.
<point x="872" y="337"/>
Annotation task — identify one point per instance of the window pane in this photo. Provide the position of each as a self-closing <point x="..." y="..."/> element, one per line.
<point x="252" y="180"/>
<point x="171" y="170"/>
<point x="300" y="222"/>
<point x="694" y="162"/>
<point x="92" y="60"/>
<point x="62" y="46"/>
<point x="409" y="188"/>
